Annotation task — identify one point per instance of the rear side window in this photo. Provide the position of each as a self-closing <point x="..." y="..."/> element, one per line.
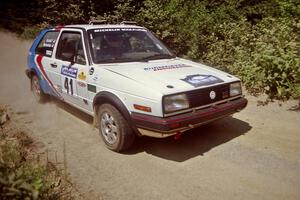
<point x="46" y="45"/>
<point x="70" y="48"/>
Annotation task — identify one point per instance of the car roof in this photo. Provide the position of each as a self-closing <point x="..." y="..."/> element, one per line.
<point x="90" y="26"/>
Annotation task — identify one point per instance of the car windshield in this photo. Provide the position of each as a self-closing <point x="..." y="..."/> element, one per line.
<point x="125" y="45"/>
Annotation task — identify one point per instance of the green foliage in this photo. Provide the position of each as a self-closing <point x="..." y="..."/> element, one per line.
<point x="25" y="178"/>
<point x="256" y="40"/>
<point x="18" y="179"/>
<point x="276" y="58"/>
<point x="62" y="12"/>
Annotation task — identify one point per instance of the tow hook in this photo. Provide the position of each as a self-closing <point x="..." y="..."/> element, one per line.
<point x="177" y="135"/>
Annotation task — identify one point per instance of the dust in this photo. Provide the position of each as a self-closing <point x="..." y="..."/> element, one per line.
<point x="13" y="81"/>
<point x="15" y="85"/>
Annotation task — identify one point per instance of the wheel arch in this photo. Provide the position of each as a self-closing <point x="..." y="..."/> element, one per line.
<point x="31" y="72"/>
<point x="114" y="100"/>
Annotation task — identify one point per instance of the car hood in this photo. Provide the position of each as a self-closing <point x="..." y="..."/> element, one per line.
<point x="171" y="75"/>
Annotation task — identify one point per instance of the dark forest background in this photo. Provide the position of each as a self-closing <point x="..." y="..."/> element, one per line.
<point x="257" y="40"/>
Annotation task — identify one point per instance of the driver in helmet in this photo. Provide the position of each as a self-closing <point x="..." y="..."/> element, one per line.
<point x="112" y="44"/>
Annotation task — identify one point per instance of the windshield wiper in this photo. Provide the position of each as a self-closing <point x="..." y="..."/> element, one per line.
<point x="143" y="59"/>
<point x="116" y="60"/>
<point x="158" y="56"/>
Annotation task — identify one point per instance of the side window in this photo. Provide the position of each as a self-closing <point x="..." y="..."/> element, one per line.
<point x="46" y="45"/>
<point x="70" y="48"/>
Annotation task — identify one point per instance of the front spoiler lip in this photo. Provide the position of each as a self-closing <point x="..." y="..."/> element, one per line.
<point x="188" y="120"/>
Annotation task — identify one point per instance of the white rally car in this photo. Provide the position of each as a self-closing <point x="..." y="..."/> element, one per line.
<point x="129" y="81"/>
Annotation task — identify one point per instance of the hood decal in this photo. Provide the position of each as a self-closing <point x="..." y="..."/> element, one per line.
<point x="166" y="67"/>
<point x="198" y="80"/>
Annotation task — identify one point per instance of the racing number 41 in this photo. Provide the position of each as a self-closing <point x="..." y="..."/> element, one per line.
<point x="69" y="85"/>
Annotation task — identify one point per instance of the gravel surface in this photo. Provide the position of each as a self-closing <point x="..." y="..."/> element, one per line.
<point x="253" y="155"/>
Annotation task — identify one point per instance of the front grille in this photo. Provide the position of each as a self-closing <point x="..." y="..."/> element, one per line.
<point x="201" y="97"/>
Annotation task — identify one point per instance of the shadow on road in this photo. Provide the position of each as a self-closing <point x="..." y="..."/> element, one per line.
<point x="194" y="142"/>
<point x="191" y="144"/>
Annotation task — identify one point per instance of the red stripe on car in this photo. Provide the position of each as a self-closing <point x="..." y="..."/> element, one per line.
<point x="42" y="70"/>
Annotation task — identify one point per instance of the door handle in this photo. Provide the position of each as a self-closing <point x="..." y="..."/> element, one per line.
<point x="54" y="65"/>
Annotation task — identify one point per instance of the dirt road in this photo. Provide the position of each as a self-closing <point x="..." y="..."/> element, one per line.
<point x="254" y="155"/>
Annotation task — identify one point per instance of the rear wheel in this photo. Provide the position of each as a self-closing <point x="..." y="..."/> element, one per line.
<point x="114" y="129"/>
<point x="38" y="93"/>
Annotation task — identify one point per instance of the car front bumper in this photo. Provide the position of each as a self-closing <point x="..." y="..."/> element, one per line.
<point x="166" y="126"/>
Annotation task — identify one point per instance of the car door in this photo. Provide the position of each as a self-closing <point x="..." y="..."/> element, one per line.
<point x="70" y="57"/>
<point x="50" y="74"/>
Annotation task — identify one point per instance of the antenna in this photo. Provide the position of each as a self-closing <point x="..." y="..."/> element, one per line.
<point x="96" y="21"/>
<point x="128" y="23"/>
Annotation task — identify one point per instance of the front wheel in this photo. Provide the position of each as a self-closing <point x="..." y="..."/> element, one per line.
<point x="114" y="129"/>
<point x="38" y="93"/>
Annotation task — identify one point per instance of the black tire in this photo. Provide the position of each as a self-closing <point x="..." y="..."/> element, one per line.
<point x="36" y="89"/>
<point x="114" y="129"/>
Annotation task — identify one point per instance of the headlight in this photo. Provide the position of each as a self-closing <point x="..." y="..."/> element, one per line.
<point x="235" y="89"/>
<point x="175" y="103"/>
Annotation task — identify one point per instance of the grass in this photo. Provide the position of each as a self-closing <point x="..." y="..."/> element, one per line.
<point x="26" y="174"/>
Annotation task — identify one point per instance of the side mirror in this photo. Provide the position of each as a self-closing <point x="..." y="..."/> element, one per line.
<point x="73" y="60"/>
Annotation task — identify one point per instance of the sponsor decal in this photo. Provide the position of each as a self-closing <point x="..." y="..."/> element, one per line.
<point x="118" y="29"/>
<point x="49" y="43"/>
<point x="212" y="95"/>
<point x="81" y="84"/>
<point x="198" y="80"/>
<point x="91" y="71"/>
<point x="95" y="78"/>
<point x="166" y="67"/>
<point x="81" y="76"/>
<point x="69" y="71"/>
<point x="48" y="53"/>
<point x="92" y="88"/>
